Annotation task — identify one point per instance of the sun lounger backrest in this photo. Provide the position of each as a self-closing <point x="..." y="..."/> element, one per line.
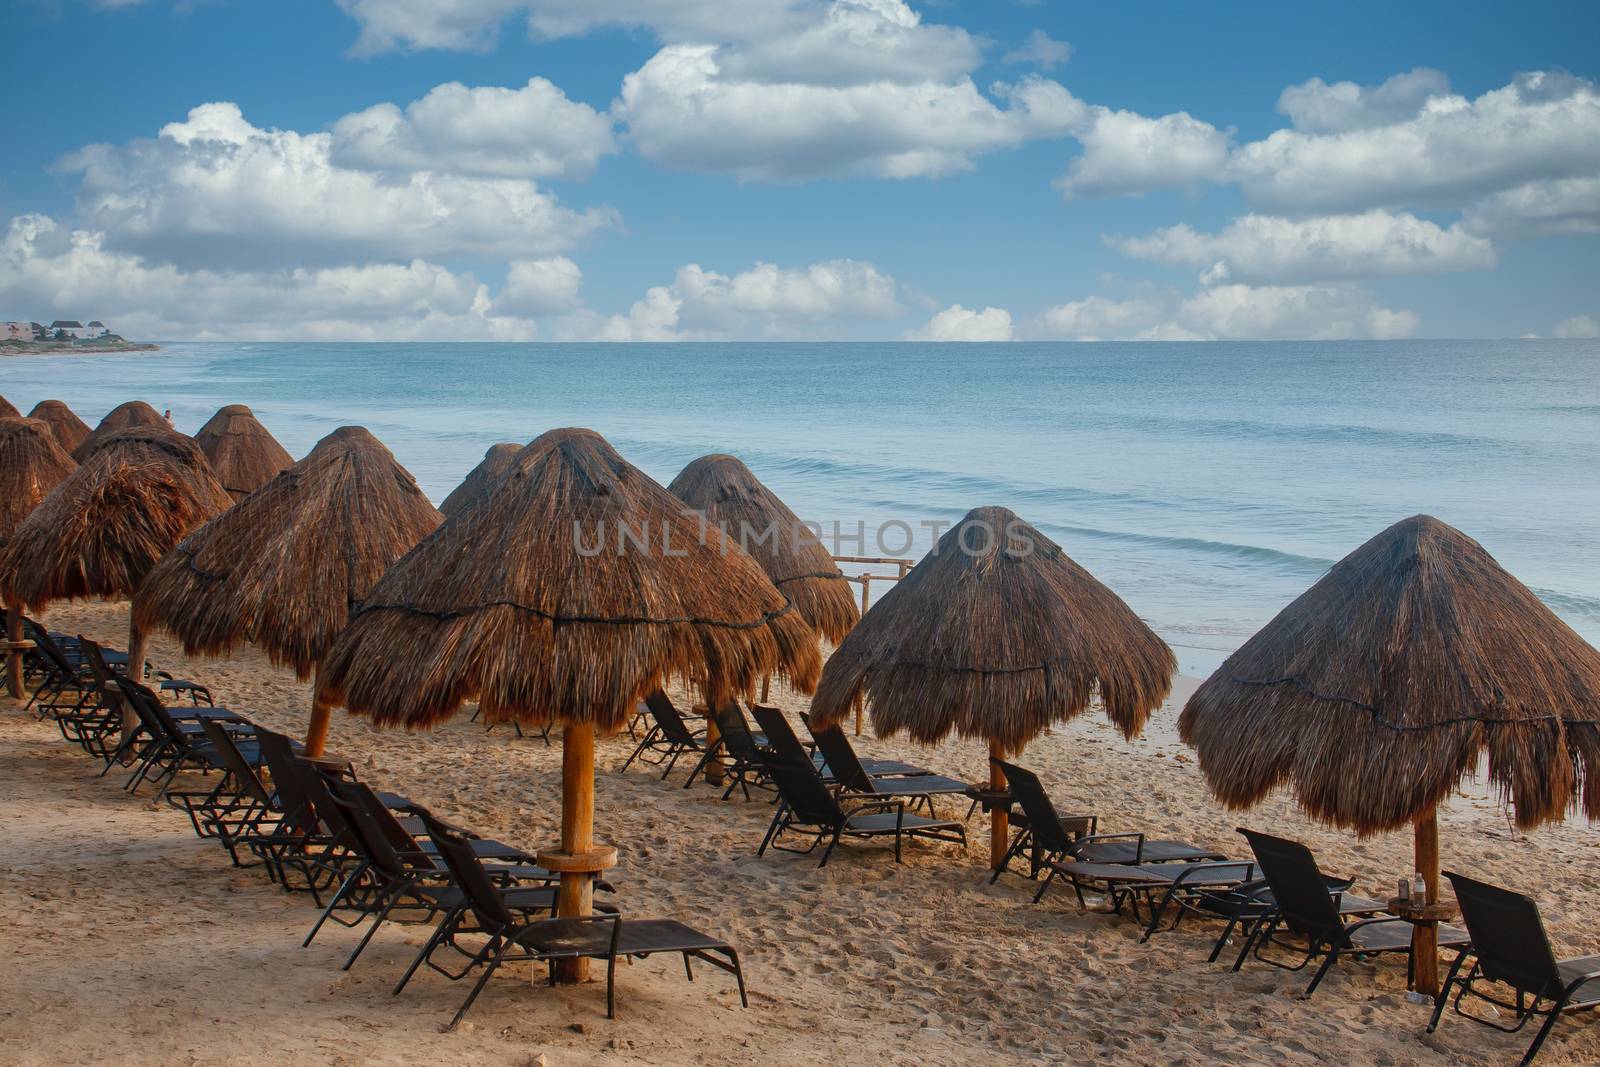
<point x="487" y="905"/>
<point x="667" y="717"/>
<point x="1298" y="886"/>
<point x="233" y="760"/>
<point x="288" y="780"/>
<point x="735" y="731"/>
<point x="1508" y="936"/>
<point x="1044" y="823"/>
<point x="801" y="788"/>
<point x="152" y="724"/>
<point x="52" y="652"/>
<point x="356" y="803"/>
<point x="840" y="756"/>
<point x="780" y="735"/>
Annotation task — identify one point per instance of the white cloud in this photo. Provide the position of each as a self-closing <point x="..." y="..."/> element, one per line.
<point x="1229" y="313"/>
<point x="818" y="301"/>
<point x="1041" y="50"/>
<point x="1128" y="154"/>
<point x="1453" y="151"/>
<point x="1577" y="326"/>
<point x="1562" y="207"/>
<point x="683" y="111"/>
<point x="1266" y="249"/>
<point x="541" y="286"/>
<point x="54" y="271"/>
<point x="956" y="323"/>
<point x="1317" y="107"/>
<point x="531" y="132"/>
<point x="215" y="191"/>
<point x="851" y="42"/>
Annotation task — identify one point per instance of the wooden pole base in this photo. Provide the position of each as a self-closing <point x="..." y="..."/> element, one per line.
<point x="1000" y="817"/>
<point x="1425" y="935"/>
<point x="576" y="894"/>
<point x="136" y="649"/>
<point x="317" y="730"/>
<point x="14" y="657"/>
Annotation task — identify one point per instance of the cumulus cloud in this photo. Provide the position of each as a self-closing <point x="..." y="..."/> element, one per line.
<point x="216" y="191"/>
<point x="1128" y="154"/>
<point x="541" y="286"/>
<point x="766" y="302"/>
<point x="1563" y="207"/>
<point x="1041" y="50"/>
<point x="1540" y="127"/>
<point x="956" y="323"/>
<point x="1263" y="248"/>
<point x="684" y="111"/>
<point x="531" y="132"/>
<point x="1577" y="326"/>
<point x="1229" y="313"/>
<point x="1317" y="107"/>
<point x="58" y="272"/>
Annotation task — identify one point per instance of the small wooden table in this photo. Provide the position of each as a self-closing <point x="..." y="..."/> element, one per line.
<point x="1425" y="939"/>
<point x="986" y="796"/>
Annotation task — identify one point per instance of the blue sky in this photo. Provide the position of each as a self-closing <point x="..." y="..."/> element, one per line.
<point x="801" y="168"/>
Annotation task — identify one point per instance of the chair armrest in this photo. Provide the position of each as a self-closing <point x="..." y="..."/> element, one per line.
<point x="1212" y="866"/>
<point x="878" y="805"/>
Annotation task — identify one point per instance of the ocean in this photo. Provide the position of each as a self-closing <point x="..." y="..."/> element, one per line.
<point x="1208" y="484"/>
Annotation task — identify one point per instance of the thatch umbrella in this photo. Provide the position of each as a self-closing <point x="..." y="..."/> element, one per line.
<point x="127" y="416"/>
<point x="495" y="462"/>
<point x="70" y="431"/>
<point x="996" y="634"/>
<point x="242" y="452"/>
<point x="571" y="591"/>
<point x="137" y="493"/>
<point x="1382" y="685"/>
<point x="8" y="410"/>
<point x="31" y="464"/>
<point x="283" y="568"/>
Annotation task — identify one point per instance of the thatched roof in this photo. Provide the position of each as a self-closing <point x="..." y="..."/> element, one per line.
<point x="31" y="464"/>
<point x="69" y="430"/>
<point x="8" y="410"/>
<point x="516" y="602"/>
<point x="996" y="634"/>
<point x="1376" y="690"/>
<point x="104" y="526"/>
<point x="283" y="567"/>
<point x="723" y="489"/>
<point x="122" y="417"/>
<point x="496" y="462"/>
<point x="242" y="452"/>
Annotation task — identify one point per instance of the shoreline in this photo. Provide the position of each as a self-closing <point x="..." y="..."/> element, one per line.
<point x="70" y="348"/>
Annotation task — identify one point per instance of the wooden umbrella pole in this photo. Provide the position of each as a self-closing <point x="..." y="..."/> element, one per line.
<point x="14" y="656"/>
<point x="713" y="735"/>
<point x="317" y="730"/>
<point x="576" y="894"/>
<point x="1425" y="935"/>
<point x="766" y="687"/>
<point x="999" y="814"/>
<point x="136" y="647"/>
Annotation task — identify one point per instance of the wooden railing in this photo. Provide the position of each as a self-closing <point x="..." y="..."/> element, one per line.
<point x="865" y="579"/>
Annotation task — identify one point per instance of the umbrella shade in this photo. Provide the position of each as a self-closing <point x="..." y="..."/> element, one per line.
<point x="1377" y="690"/>
<point x="69" y="430"/>
<point x="32" y="463"/>
<point x="106" y="524"/>
<point x="495" y="462"/>
<point x="724" y="490"/>
<point x="243" y="454"/>
<point x="283" y="567"/>
<point x="134" y="413"/>
<point x="995" y="635"/>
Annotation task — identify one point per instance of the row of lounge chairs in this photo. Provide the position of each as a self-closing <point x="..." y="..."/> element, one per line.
<point x="364" y="857"/>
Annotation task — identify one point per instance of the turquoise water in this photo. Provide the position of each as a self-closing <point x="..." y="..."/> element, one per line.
<point x="1208" y="484"/>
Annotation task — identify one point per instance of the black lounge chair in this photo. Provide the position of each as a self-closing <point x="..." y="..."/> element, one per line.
<point x="1306" y="907"/>
<point x="1510" y="947"/>
<point x="851" y="774"/>
<point x="805" y="801"/>
<point x="747" y="766"/>
<point x="783" y="742"/>
<point x="668" y="739"/>
<point x="1041" y="831"/>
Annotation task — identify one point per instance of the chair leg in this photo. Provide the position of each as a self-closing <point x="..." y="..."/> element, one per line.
<point x="1544" y="1032"/>
<point x="829" y="850"/>
<point x="1045" y="885"/>
<point x="440" y="932"/>
<point x="1322" y="971"/>
<point x="377" y="921"/>
<point x="343" y="891"/>
<point x="488" y="972"/>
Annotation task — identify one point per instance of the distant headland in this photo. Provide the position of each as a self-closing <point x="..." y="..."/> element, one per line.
<point x="64" y="336"/>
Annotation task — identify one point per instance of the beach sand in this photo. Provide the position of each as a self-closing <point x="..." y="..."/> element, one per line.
<point x="130" y="941"/>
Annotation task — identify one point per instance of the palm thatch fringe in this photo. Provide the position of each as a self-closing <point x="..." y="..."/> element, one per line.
<point x="122" y="417"/>
<point x="31" y="465"/>
<point x="70" y="431"/>
<point x="8" y="410"/>
<point x="725" y="491"/>
<point x="283" y="568"/>
<point x="243" y="454"/>
<point x="996" y="634"/>
<point x="537" y="603"/>
<point x="495" y="462"/>
<point x="106" y="524"/>
<point x="1380" y="687"/>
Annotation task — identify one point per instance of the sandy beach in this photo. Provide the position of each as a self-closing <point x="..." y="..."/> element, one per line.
<point x="133" y="942"/>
